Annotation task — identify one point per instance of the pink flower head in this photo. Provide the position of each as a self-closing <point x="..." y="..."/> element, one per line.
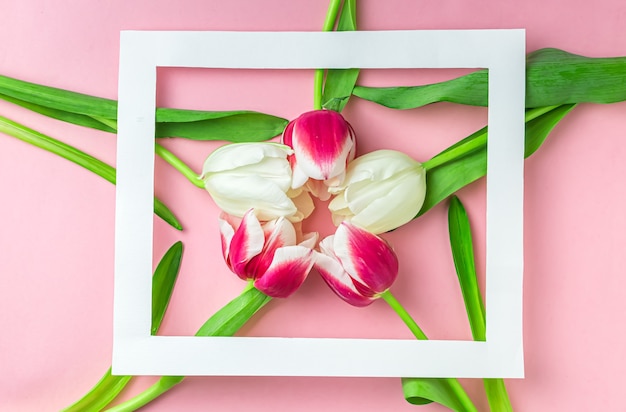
<point x="267" y="253"/>
<point x="357" y="265"/>
<point x="323" y="144"/>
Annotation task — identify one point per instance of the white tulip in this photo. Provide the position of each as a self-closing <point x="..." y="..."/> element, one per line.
<point x="244" y="176"/>
<point x="382" y="190"/>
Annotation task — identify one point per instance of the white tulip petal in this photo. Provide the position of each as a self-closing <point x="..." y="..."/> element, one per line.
<point x="237" y="194"/>
<point x="232" y="156"/>
<point x="397" y="207"/>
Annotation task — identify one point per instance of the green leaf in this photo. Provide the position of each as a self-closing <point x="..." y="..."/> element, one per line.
<point x="58" y="98"/>
<point x="340" y="82"/>
<point x="163" y="281"/>
<point x="72" y="154"/>
<point x="69" y="117"/>
<point x="234" y="127"/>
<point x="553" y="77"/>
<point x="422" y="391"/>
<point x="99" y="113"/>
<point x="230" y="318"/>
<point x="463" y="256"/>
<point x="444" y="180"/>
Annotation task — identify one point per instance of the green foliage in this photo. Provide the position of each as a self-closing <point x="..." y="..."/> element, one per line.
<point x="553" y="77"/>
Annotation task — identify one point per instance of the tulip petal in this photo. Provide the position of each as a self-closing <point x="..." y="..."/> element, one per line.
<point x="322" y="141"/>
<point x="278" y="233"/>
<point x="233" y="156"/>
<point x="289" y="269"/>
<point x="246" y="243"/>
<point x="339" y="281"/>
<point x="388" y="204"/>
<point x="226" y="235"/>
<point x="237" y="194"/>
<point x="303" y="202"/>
<point x="309" y="240"/>
<point x="366" y="257"/>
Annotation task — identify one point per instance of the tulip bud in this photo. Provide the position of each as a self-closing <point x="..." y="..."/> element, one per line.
<point x="243" y="176"/>
<point x="382" y="190"/>
<point x="267" y="253"/>
<point x="323" y="144"/>
<point x="357" y="265"/>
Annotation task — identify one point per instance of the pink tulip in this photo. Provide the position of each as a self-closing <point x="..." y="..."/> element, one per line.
<point x="323" y="144"/>
<point x="267" y="253"/>
<point x="357" y="265"/>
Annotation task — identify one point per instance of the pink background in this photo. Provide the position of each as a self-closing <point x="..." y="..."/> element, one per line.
<point x="56" y="241"/>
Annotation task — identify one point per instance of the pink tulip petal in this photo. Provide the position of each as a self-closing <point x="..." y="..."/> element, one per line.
<point x="309" y="240"/>
<point x="339" y="281"/>
<point x="278" y="233"/>
<point x="288" y="270"/>
<point x="246" y="243"/>
<point x="322" y="141"/>
<point x="226" y="235"/>
<point x="366" y="257"/>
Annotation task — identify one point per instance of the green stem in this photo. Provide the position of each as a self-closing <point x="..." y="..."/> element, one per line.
<point x="404" y="315"/>
<point x="477" y="142"/>
<point x="318" y="80"/>
<point x="179" y="165"/>
<point x="419" y="334"/>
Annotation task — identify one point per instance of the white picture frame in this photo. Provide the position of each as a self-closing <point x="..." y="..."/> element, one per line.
<point x="136" y="352"/>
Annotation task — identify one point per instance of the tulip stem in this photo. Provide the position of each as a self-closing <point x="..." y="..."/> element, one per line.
<point x="419" y="334"/>
<point x="318" y="80"/>
<point x="404" y="315"/>
<point x="476" y="141"/>
<point x="179" y="165"/>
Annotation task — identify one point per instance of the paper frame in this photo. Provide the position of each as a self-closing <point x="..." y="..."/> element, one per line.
<point x="136" y="352"/>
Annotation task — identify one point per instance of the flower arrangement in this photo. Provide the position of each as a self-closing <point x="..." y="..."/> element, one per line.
<point x="265" y="191"/>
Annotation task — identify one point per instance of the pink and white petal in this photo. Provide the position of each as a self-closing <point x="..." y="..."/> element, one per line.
<point x="226" y="235"/>
<point x="366" y="257"/>
<point x="288" y="270"/>
<point x="309" y="240"/>
<point x="322" y="141"/>
<point x="327" y="245"/>
<point x="246" y="243"/>
<point x="339" y="281"/>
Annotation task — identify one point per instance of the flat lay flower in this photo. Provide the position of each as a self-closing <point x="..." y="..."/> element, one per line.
<point x="267" y="253"/>
<point x="323" y="143"/>
<point x="357" y="265"/>
<point x="243" y="176"/>
<point x="382" y="190"/>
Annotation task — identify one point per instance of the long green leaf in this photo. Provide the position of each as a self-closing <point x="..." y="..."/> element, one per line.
<point x="100" y="113"/>
<point x="553" y="77"/>
<point x="463" y="255"/>
<point x="72" y="154"/>
<point x="340" y="82"/>
<point x="236" y="127"/>
<point x="444" y="180"/>
<point x="163" y="282"/>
